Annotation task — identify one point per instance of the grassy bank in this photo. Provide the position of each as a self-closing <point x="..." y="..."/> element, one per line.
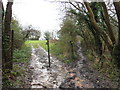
<point x="106" y="66"/>
<point x="22" y="55"/>
<point x="21" y="58"/>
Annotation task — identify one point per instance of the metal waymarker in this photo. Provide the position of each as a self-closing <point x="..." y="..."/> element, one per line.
<point x="48" y="51"/>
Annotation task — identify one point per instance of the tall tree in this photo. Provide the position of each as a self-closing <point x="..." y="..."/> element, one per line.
<point x="31" y="33"/>
<point x="1" y="29"/>
<point x="107" y="21"/>
<point x="7" y="62"/>
<point x="117" y="47"/>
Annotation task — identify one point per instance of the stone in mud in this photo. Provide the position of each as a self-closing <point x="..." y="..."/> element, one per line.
<point x="31" y="68"/>
<point x="69" y="84"/>
<point x="43" y="56"/>
<point x="54" y="82"/>
<point x="43" y="67"/>
<point x="72" y="75"/>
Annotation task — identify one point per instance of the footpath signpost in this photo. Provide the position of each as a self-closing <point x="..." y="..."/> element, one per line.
<point x="48" y="51"/>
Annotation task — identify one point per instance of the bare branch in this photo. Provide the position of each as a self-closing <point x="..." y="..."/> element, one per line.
<point x="76" y="7"/>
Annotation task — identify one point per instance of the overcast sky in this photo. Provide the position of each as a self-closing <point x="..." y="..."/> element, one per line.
<point x="41" y="14"/>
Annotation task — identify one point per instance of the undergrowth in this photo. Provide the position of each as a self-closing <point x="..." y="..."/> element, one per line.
<point x="106" y="66"/>
<point x="21" y="57"/>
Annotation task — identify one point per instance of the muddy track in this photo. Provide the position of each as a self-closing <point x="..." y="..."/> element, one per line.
<point x="82" y="75"/>
<point x="76" y="75"/>
<point x="43" y="76"/>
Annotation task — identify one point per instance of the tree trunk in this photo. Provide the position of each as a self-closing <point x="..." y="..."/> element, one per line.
<point x="107" y="21"/>
<point x="117" y="47"/>
<point x="6" y="38"/>
<point x="98" y="42"/>
<point x="96" y="28"/>
<point x="1" y="29"/>
<point x="91" y="16"/>
<point x="117" y="8"/>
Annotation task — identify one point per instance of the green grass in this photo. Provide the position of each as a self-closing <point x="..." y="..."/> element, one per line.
<point x="54" y="47"/>
<point x="36" y="43"/>
<point x="22" y="55"/>
<point x="19" y="57"/>
<point x="42" y="43"/>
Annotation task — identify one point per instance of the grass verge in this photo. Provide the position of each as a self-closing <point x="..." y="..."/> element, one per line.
<point x="54" y="48"/>
<point x="21" y="58"/>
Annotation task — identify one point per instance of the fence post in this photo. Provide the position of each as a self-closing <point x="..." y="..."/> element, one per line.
<point x="48" y="51"/>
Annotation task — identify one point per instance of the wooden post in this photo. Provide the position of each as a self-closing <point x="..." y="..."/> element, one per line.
<point x="48" y="52"/>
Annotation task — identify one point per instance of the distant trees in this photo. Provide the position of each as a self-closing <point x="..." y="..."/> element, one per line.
<point x="31" y="34"/>
<point x="47" y="35"/>
<point x="52" y="35"/>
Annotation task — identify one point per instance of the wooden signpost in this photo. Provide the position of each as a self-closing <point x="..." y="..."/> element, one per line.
<point x="48" y="51"/>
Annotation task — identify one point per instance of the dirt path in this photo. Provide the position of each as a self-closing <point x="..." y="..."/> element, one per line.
<point x="58" y="76"/>
<point x="43" y="76"/>
<point x="76" y="75"/>
<point x="82" y="75"/>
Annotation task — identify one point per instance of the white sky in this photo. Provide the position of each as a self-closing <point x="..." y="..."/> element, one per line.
<point x="41" y="14"/>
